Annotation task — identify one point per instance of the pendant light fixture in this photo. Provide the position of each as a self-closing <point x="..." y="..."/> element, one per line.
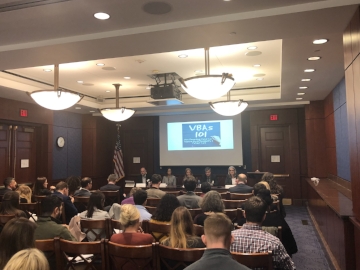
<point x="117" y="114"/>
<point x="229" y="107"/>
<point x="57" y="99"/>
<point x="208" y="87"/>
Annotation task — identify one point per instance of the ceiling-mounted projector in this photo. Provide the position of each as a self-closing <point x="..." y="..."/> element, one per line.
<point x="167" y="93"/>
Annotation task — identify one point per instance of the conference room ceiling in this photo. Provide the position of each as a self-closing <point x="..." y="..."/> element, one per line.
<point x="137" y="44"/>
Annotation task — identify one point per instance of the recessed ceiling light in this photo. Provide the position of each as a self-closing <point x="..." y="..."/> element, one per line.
<point x="107" y="91"/>
<point x="78" y="108"/>
<point x="101" y="16"/>
<point x="259" y="79"/>
<point x="80" y="81"/>
<point x="320" y="41"/>
<point x="92" y="111"/>
<point x="47" y="70"/>
<point x="100" y="64"/>
<point x="303" y="87"/>
<point x="305" y="80"/>
<point x="257" y="65"/>
<point x="127" y="78"/>
<point x="314" y="58"/>
<point x="300" y="94"/>
<point x="182" y="55"/>
<point x="252" y="48"/>
<point x="309" y="70"/>
<point x="298" y="98"/>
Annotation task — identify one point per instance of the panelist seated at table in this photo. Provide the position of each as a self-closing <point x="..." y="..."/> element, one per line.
<point x="169" y="179"/>
<point x="209" y="177"/>
<point x="142" y="178"/>
<point x="241" y="186"/>
<point x="231" y="176"/>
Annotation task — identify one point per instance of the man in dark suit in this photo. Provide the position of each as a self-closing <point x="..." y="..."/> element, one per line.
<point x="10" y="185"/>
<point x="209" y="177"/>
<point x="111" y="185"/>
<point x="62" y="191"/>
<point x="86" y="185"/>
<point x="142" y="177"/>
<point x="241" y="186"/>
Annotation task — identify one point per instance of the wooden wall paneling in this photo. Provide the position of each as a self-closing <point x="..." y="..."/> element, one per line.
<point x="356" y="237"/>
<point x="355" y="34"/>
<point x="347" y="47"/>
<point x="302" y="141"/>
<point x="328" y="105"/>
<point x="310" y="142"/>
<point x="88" y="145"/>
<point x="4" y="152"/>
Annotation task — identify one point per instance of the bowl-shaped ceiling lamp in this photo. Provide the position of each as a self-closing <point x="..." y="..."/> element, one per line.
<point x="56" y="99"/>
<point x="208" y="87"/>
<point x="229" y="107"/>
<point x="117" y="114"/>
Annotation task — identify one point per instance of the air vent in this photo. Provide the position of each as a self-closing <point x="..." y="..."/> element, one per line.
<point x="15" y="5"/>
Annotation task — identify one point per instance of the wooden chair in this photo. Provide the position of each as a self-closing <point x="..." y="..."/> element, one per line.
<point x="233" y="204"/>
<point x="130" y="257"/>
<point x="255" y="260"/>
<point x="114" y="225"/>
<point x="224" y="195"/>
<point x="175" y="193"/>
<point x="64" y="248"/>
<point x="95" y="227"/>
<point x="39" y="198"/>
<point x="5" y="218"/>
<point x="111" y="197"/>
<point x="239" y="214"/>
<point x="48" y="248"/>
<point x="33" y="208"/>
<point x="178" y="258"/>
<point x="81" y="203"/>
<point x="198" y="230"/>
<point x="198" y="193"/>
<point x="158" y="231"/>
<point x="240" y="196"/>
<point x="151" y="209"/>
<point x="153" y="202"/>
<point x="194" y="212"/>
<point x="232" y="214"/>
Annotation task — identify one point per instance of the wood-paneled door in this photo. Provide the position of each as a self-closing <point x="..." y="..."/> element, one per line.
<point x="18" y="146"/>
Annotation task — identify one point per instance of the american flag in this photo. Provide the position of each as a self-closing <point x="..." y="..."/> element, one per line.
<point x="118" y="158"/>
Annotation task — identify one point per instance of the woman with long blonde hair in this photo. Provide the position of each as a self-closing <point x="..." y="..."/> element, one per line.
<point x="25" y="194"/>
<point x="182" y="231"/>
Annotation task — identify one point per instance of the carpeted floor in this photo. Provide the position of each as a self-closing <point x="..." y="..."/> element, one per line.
<point x="310" y="255"/>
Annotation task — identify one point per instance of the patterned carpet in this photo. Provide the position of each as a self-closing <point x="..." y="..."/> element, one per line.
<point x="310" y="255"/>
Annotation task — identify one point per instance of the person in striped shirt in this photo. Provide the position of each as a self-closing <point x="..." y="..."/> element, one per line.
<point x="251" y="239"/>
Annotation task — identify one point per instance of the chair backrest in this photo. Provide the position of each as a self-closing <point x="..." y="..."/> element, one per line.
<point x="254" y="260"/>
<point x="81" y="203"/>
<point x="114" y="224"/>
<point x="151" y="209"/>
<point x="178" y="258"/>
<point x="194" y="212"/>
<point x="48" y="248"/>
<point x="95" y="227"/>
<point x="239" y="213"/>
<point x="175" y="193"/>
<point x="153" y="202"/>
<point x="225" y="195"/>
<point x="72" y="252"/>
<point x="233" y="204"/>
<point x="111" y="197"/>
<point x="198" y="230"/>
<point x="198" y="193"/>
<point x="158" y="231"/>
<point x="240" y="196"/>
<point x="232" y="214"/>
<point x="39" y="198"/>
<point x="130" y="257"/>
<point x="34" y="208"/>
<point x="5" y="218"/>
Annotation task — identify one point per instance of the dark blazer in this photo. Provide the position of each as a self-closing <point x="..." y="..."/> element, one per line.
<point x="82" y="193"/>
<point x="241" y="188"/>
<point x="212" y="178"/>
<point x="70" y="209"/>
<point x="4" y="190"/>
<point x="110" y="187"/>
<point x="228" y="180"/>
<point x="139" y="178"/>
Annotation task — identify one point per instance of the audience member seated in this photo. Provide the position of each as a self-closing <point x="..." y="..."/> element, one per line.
<point x="111" y="185"/>
<point x="130" y="219"/>
<point x="154" y="191"/>
<point x="277" y="191"/>
<point x="73" y="184"/>
<point x="25" y="194"/>
<point x="241" y="186"/>
<point x="62" y="191"/>
<point x="40" y="187"/>
<point x="205" y="188"/>
<point x="275" y="219"/>
<point x="10" y="205"/>
<point x="169" y="179"/>
<point x="231" y="176"/>
<point x="217" y="238"/>
<point x="9" y="185"/>
<point x="209" y="177"/>
<point x="210" y="204"/>
<point x="95" y="212"/>
<point x="140" y="199"/>
<point x="17" y="234"/>
<point x="190" y="199"/>
<point x="130" y="199"/>
<point x="49" y="225"/>
<point x="86" y="185"/>
<point x="182" y="231"/>
<point x="188" y="173"/>
<point x="251" y="239"/>
<point x="164" y="211"/>
<point x="28" y="259"/>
